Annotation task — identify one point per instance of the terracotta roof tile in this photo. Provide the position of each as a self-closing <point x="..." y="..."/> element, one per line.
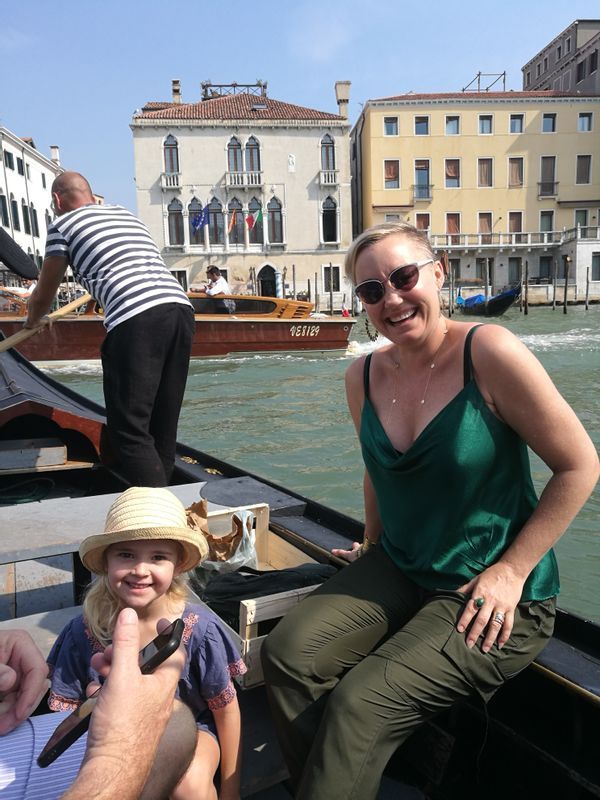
<point x="479" y="96"/>
<point x="238" y="107"/>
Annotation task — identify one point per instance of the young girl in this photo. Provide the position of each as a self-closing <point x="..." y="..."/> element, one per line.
<point x="140" y="561"/>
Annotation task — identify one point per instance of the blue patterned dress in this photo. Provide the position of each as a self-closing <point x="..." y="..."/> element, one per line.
<point x="206" y="684"/>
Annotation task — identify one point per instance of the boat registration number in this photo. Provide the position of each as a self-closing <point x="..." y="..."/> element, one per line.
<point x="304" y="330"/>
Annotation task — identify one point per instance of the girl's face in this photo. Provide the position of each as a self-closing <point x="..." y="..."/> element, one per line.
<point x="141" y="572"/>
<point x="401" y="315"/>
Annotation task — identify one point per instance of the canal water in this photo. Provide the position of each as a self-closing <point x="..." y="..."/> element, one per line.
<point x="284" y="417"/>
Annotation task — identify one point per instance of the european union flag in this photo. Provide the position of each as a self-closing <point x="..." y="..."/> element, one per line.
<point x="200" y="220"/>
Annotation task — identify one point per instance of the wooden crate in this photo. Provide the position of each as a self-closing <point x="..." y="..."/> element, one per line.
<point x="273" y="553"/>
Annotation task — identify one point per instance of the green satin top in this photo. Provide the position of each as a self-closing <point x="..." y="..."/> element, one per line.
<point x="453" y="502"/>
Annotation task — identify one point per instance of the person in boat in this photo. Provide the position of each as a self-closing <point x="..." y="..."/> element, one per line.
<point x="453" y="588"/>
<point x="149" y="321"/>
<point x="140" y="561"/>
<point x="217" y="285"/>
<point x="127" y="704"/>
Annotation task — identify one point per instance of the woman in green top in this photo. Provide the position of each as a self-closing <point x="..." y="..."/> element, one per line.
<point x="455" y="592"/>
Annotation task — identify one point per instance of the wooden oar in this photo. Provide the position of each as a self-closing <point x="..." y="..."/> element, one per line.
<point x="19" y="337"/>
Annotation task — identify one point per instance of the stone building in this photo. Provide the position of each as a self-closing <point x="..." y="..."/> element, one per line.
<point x="25" y="200"/>
<point x="569" y="63"/>
<point x="502" y="181"/>
<point x="255" y="186"/>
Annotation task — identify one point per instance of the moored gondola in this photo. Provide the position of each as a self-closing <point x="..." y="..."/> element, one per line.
<point x="492" y="307"/>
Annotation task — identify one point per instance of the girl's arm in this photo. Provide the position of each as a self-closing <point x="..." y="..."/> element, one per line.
<point x="520" y="392"/>
<point x="229" y="730"/>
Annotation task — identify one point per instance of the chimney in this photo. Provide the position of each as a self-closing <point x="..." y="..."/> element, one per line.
<point x="342" y="95"/>
<point x="55" y="154"/>
<point x="176" y="90"/>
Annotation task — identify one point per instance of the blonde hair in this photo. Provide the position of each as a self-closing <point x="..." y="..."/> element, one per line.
<point x="101" y="605"/>
<point x="378" y="232"/>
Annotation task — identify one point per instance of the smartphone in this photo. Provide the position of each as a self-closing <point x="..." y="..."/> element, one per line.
<point x="77" y="723"/>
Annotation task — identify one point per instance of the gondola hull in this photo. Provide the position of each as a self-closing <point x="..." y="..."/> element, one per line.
<point x="494" y="306"/>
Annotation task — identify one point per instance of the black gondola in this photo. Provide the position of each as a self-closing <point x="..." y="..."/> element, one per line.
<point x="493" y="307"/>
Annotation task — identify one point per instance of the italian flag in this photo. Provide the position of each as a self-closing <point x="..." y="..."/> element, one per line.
<point x="252" y="219"/>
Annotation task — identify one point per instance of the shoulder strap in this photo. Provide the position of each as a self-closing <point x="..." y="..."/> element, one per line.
<point x="366" y="373"/>
<point x="467" y="363"/>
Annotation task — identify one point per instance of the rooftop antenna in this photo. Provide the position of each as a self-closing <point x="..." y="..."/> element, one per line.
<point x="497" y="76"/>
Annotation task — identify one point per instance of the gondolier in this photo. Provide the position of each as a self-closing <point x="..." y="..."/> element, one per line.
<point x="148" y="317"/>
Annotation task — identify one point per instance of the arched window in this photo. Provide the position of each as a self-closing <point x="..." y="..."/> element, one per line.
<point x="252" y="155"/>
<point x="171" y="155"/>
<point x="236" y="222"/>
<point x="255" y="222"/>
<point x="195" y="221"/>
<point x="4" y="211"/>
<point x="14" y="212"/>
<point x="327" y="152"/>
<point x="275" y="221"/>
<point x="234" y="155"/>
<point x="330" y="220"/>
<point x="35" y="228"/>
<point x="25" y="213"/>
<point x="216" y="222"/>
<point x="175" y="210"/>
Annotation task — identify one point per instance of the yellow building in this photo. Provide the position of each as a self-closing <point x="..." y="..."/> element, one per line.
<point x="497" y="178"/>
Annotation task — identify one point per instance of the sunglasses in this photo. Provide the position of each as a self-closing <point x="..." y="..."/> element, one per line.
<point x="403" y="279"/>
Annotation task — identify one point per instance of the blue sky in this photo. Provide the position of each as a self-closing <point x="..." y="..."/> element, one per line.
<point x="74" y="71"/>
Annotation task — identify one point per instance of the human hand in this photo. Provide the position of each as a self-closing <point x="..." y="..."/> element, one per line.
<point x="40" y="323"/>
<point x="130" y="715"/>
<point x="348" y="555"/>
<point x="500" y="589"/>
<point x="23" y="678"/>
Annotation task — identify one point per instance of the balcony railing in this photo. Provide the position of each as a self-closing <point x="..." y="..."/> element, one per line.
<point x="170" y="180"/>
<point x="243" y="179"/>
<point x="422" y="191"/>
<point x="328" y="177"/>
<point x="487" y="241"/>
<point x="547" y="188"/>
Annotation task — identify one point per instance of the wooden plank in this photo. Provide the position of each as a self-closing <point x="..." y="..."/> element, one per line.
<point x="50" y="468"/>
<point x="270" y="606"/>
<point x="43" y="628"/>
<point x="31" y="453"/>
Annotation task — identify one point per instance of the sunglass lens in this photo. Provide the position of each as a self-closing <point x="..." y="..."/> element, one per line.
<point x="370" y="292"/>
<point x="405" y="278"/>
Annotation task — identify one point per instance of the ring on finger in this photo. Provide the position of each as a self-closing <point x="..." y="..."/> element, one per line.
<point x="499" y="617"/>
<point x="478" y="602"/>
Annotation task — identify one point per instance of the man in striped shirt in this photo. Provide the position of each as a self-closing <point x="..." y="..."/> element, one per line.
<point x="148" y="317"/>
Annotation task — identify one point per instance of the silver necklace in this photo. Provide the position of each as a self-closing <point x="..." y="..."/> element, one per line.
<point x="431" y="368"/>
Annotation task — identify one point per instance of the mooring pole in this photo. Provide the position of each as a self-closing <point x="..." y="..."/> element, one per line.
<point x="587" y="289"/>
<point x="567" y="260"/>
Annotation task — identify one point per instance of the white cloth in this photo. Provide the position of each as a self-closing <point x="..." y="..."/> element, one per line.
<point x="220" y="286"/>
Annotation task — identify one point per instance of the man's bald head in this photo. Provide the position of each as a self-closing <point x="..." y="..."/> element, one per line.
<point x="71" y="190"/>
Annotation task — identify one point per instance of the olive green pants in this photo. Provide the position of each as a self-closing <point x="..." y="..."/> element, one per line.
<point x="368" y="657"/>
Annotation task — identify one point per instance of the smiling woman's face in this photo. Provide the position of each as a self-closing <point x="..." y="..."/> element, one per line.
<point x="399" y="314"/>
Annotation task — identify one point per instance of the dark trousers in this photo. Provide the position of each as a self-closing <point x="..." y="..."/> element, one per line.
<point x="145" y="362"/>
<point x="369" y="656"/>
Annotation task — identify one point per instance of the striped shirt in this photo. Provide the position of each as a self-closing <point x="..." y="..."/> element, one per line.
<point x="114" y="258"/>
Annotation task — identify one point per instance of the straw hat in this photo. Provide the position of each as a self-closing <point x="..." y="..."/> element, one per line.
<point x="145" y="513"/>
